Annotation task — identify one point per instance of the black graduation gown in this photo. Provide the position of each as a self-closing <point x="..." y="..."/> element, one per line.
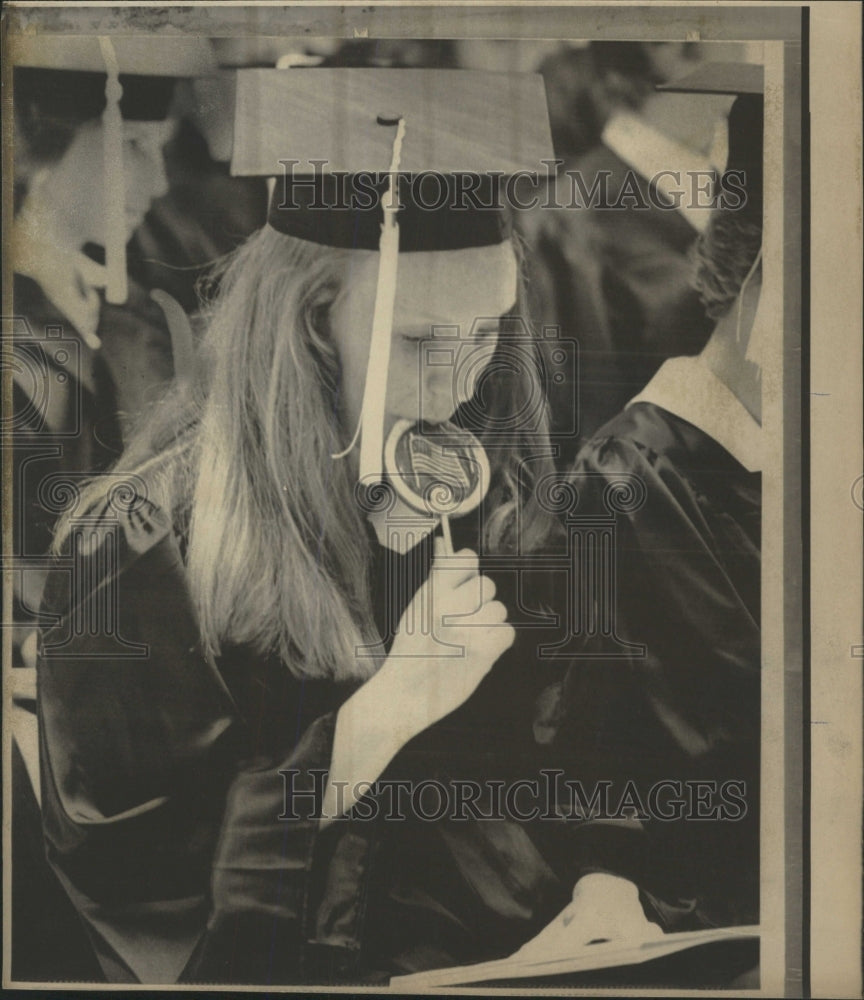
<point x="70" y="403"/>
<point x="64" y="411"/>
<point x="686" y="706"/>
<point x="162" y="796"/>
<point x="61" y="428"/>
<point x="163" y="788"/>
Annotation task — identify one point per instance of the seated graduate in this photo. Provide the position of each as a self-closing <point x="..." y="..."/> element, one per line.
<point x="614" y="273"/>
<point x="254" y="627"/>
<point x="87" y="163"/>
<point x="87" y="167"/>
<point x="680" y="468"/>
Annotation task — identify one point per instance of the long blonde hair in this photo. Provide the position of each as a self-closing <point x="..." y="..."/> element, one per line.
<point x="277" y="551"/>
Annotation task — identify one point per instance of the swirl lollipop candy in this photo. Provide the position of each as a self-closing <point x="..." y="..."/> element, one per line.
<point x="438" y="470"/>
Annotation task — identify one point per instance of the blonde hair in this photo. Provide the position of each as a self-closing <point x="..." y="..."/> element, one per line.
<point x="277" y="550"/>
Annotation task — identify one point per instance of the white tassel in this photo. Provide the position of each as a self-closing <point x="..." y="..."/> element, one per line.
<point x="371" y="423"/>
<point x="114" y="193"/>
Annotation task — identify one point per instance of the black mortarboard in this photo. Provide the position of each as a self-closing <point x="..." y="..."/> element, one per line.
<point x="64" y="76"/>
<point x="327" y="135"/>
<point x="394" y="160"/>
<point x="744" y="81"/>
<point x="76" y="78"/>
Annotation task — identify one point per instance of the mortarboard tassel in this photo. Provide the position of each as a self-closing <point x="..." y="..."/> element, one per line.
<point x="180" y="332"/>
<point x="371" y="424"/>
<point x="116" y="287"/>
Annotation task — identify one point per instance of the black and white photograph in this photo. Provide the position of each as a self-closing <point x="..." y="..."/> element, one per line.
<point x="406" y="507"/>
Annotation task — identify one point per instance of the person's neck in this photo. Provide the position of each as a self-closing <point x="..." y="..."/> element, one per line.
<point x="39" y="222"/>
<point x="46" y="252"/>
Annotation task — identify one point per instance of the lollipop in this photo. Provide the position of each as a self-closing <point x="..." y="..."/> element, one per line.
<point x="438" y="470"/>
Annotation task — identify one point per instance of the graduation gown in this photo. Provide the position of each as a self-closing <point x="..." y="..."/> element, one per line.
<point x="162" y="794"/>
<point x="683" y="701"/>
<point x="164" y="791"/>
<point x="65" y="409"/>
<point x="71" y="403"/>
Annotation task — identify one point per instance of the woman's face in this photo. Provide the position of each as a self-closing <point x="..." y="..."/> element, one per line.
<point x="445" y="329"/>
<point x="76" y="181"/>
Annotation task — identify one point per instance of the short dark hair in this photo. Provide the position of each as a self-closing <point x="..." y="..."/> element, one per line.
<point x="47" y="114"/>
<point x="723" y="256"/>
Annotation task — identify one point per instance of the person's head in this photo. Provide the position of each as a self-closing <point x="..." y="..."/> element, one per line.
<point x="457" y="294"/>
<point x="243" y="458"/>
<point x="62" y="93"/>
<point x="248" y="459"/>
<point x="724" y="255"/>
<point x="728" y="250"/>
<point x="67" y="185"/>
<point x="586" y="85"/>
<point x="728" y="255"/>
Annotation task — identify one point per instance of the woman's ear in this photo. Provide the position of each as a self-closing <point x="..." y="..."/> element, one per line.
<point x="319" y="318"/>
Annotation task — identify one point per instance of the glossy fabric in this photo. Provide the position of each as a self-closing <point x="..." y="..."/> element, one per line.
<point x="70" y="404"/>
<point x="688" y="589"/>
<point x="65" y="409"/>
<point x="163" y="793"/>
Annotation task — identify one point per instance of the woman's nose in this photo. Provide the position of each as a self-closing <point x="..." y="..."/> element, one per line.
<point x="438" y="398"/>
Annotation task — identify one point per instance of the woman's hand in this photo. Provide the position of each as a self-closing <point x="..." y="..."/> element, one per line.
<point x="604" y="908"/>
<point x="448" y="639"/>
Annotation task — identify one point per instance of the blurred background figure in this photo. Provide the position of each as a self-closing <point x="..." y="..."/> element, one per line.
<point x="206" y="213"/>
<point x="616" y="276"/>
<point x="688" y="556"/>
<point x="91" y="119"/>
<point x="66" y="213"/>
<point x="394" y="53"/>
<point x="87" y="168"/>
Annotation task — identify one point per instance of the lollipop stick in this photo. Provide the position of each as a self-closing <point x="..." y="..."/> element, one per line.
<point x="445" y="532"/>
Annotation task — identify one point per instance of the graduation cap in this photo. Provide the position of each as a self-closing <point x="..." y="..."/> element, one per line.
<point x="65" y="75"/>
<point x="77" y="78"/>
<point x="744" y="81"/>
<point x="327" y="135"/>
<point x="394" y="160"/>
<point x="214" y="93"/>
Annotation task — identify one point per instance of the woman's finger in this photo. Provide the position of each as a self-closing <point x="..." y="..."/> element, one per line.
<point x="453" y="571"/>
<point x="475" y="592"/>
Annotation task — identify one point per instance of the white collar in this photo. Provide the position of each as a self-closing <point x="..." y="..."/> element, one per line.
<point x="687" y="388"/>
<point x="652" y="154"/>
